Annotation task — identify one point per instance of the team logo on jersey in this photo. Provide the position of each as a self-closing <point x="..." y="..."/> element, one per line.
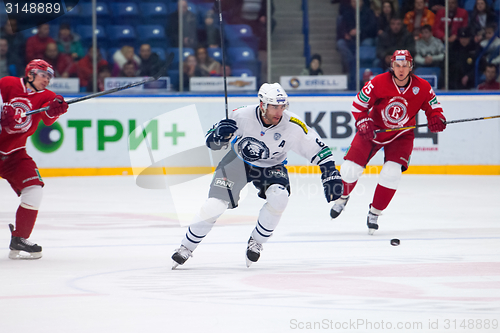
<point x="277" y="174"/>
<point x="277" y="136"/>
<point x="23" y="124"/>
<point x="416" y="90"/>
<point x="395" y="114"/>
<point x="252" y="149"/>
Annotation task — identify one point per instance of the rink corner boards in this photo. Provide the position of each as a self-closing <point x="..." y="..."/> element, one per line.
<point x="491" y="170"/>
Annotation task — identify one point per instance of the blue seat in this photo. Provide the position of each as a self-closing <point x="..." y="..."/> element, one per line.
<point x="29" y="32"/>
<point x="153" y="35"/>
<point x="374" y="70"/>
<point x="125" y="13"/>
<point x="86" y="33"/>
<point x="469" y="5"/>
<point x="252" y="65"/>
<point x="160" y="52"/>
<point x="428" y="71"/>
<point x="153" y="13"/>
<point x="186" y="51"/>
<point x="367" y="54"/>
<point x="172" y="7"/>
<point x="120" y="35"/>
<point x="102" y="12"/>
<point x="240" y="53"/>
<point x="240" y="35"/>
<point x="215" y="53"/>
<point x="242" y="72"/>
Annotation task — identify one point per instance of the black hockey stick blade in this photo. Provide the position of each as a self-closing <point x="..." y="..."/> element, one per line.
<point x="161" y="72"/>
<point x="425" y="125"/>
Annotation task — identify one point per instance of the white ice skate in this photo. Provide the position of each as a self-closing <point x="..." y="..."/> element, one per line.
<point x="253" y="251"/>
<point x="371" y="222"/>
<point x="338" y="207"/>
<point x="180" y="256"/>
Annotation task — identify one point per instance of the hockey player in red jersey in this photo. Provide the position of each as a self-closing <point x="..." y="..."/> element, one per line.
<point x="20" y="95"/>
<point x="390" y="100"/>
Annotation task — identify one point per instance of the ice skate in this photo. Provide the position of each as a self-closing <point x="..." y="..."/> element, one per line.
<point x="371" y="222"/>
<point x="338" y="207"/>
<point x="253" y="251"/>
<point x="180" y="256"/>
<point x="21" y="248"/>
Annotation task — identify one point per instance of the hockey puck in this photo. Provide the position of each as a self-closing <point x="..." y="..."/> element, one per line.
<point x="394" y="242"/>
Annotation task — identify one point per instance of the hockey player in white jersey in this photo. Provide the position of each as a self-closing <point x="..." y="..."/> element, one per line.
<point x="260" y="136"/>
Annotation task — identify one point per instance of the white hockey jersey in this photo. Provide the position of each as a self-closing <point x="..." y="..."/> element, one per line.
<point x="263" y="146"/>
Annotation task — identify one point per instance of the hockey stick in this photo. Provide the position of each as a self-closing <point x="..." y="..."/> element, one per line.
<point x="424" y="125"/>
<point x="223" y="56"/>
<point x="161" y="72"/>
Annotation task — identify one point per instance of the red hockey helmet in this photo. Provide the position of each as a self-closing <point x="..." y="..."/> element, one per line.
<point x="37" y="66"/>
<point x="402" y="56"/>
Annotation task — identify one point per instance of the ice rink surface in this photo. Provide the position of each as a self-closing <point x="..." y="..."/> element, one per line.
<point x="106" y="263"/>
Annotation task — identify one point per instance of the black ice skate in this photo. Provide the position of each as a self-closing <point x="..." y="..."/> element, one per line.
<point x="21" y="248"/>
<point x="180" y="256"/>
<point x="253" y="251"/>
<point x="338" y="207"/>
<point x="371" y="222"/>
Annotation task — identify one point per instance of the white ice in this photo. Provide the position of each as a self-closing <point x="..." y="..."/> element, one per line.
<point x="106" y="263"/>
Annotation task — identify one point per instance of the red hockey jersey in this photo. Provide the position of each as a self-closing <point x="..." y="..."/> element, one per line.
<point x="13" y="91"/>
<point x="389" y="107"/>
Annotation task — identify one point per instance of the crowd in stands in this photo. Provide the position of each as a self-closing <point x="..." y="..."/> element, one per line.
<point x="419" y="26"/>
<point x="60" y="42"/>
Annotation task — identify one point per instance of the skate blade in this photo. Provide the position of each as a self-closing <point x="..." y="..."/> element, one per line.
<point x="174" y="264"/>
<point x="23" y="255"/>
<point x="249" y="262"/>
<point x="371" y="231"/>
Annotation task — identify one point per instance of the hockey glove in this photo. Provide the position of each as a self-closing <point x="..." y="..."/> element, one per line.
<point x="224" y="130"/>
<point x="437" y="122"/>
<point x="332" y="181"/>
<point x="10" y="117"/>
<point x="366" y="128"/>
<point x="57" y="107"/>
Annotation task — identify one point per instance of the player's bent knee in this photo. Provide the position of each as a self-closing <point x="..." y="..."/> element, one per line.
<point x="351" y="171"/>
<point x="390" y="175"/>
<point x="277" y="198"/>
<point x="212" y="209"/>
<point x="31" y="197"/>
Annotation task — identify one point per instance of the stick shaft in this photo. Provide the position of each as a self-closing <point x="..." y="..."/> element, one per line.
<point x="223" y="57"/>
<point x="425" y="125"/>
<point x="113" y="90"/>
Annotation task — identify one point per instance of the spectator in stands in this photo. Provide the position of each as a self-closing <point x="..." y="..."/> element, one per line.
<point x="314" y="67"/>
<point x="481" y="17"/>
<point x="346" y="34"/>
<point x="69" y="42"/>
<point x="208" y="64"/>
<point x="192" y="69"/>
<point x="490" y="83"/>
<point x="83" y="68"/>
<point x="15" y="40"/>
<point x="209" y="35"/>
<point x="9" y="62"/>
<point x="429" y="49"/>
<point x="123" y="55"/>
<point x="61" y="62"/>
<point x="129" y="69"/>
<point x="417" y="18"/>
<point x="384" y="18"/>
<point x="150" y="61"/>
<point x="103" y="72"/>
<point x="396" y="38"/>
<point x="490" y="40"/>
<point x="462" y="63"/>
<point x="378" y="6"/>
<point x="435" y="5"/>
<point x="189" y="24"/>
<point x="459" y="19"/>
<point x="36" y="45"/>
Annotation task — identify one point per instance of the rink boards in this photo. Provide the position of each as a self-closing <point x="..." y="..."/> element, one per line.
<point x="105" y="136"/>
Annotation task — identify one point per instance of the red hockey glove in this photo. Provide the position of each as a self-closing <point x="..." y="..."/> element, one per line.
<point x="10" y="117"/>
<point x="57" y="107"/>
<point x="366" y="128"/>
<point x="437" y="122"/>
